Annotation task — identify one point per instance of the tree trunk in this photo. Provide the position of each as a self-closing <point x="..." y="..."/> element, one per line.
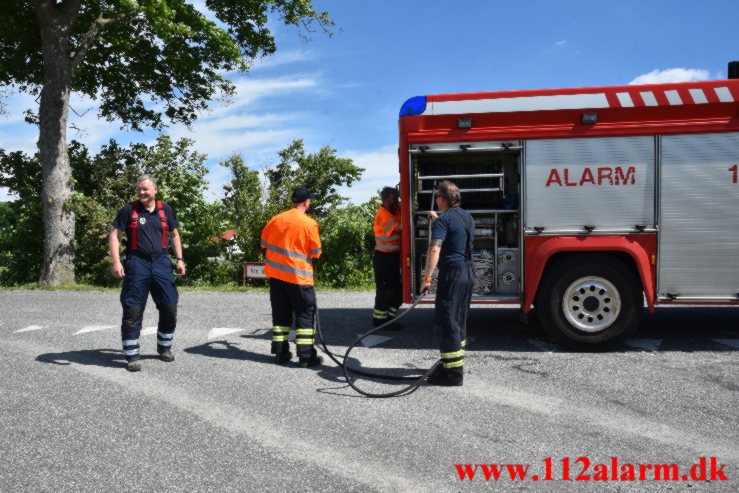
<point x="56" y="187"/>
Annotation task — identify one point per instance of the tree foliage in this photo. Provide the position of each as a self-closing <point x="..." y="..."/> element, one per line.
<point x="126" y="53"/>
<point x="146" y="63"/>
<point x="105" y="182"/>
<point x="21" y="236"/>
<point x="252" y="199"/>
<point x="348" y="241"/>
<point x="322" y="173"/>
<point x="246" y="208"/>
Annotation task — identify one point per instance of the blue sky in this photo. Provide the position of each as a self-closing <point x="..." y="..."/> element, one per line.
<point x="345" y="91"/>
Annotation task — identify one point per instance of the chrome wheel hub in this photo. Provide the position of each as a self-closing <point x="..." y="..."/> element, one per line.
<point x="591" y="304"/>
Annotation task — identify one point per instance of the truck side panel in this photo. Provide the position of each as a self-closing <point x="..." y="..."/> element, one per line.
<point x="605" y="183"/>
<point x="699" y="223"/>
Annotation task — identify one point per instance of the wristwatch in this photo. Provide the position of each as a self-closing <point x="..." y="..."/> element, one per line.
<point x="180" y="258"/>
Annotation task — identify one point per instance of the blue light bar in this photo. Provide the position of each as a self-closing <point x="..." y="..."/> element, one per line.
<point x="414" y="106"/>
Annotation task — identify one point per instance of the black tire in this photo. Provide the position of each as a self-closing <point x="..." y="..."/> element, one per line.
<point x="530" y="323"/>
<point x="604" y="302"/>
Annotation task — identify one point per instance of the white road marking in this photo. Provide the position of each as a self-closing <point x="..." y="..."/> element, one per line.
<point x="29" y="328"/>
<point x="728" y="342"/>
<point x="222" y="331"/>
<point x="94" y="328"/>
<point x="373" y="340"/>
<point x="648" y="344"/>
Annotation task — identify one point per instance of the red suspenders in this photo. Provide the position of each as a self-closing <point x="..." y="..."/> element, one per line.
<point x="164" y="224"/>
<point x="135" y="224"/>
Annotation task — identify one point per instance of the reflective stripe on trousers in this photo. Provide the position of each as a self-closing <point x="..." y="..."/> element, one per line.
<point x="304" y="336"/>
<point x="453" y="298"/>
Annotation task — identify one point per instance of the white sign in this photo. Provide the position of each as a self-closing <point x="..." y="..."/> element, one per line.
<point x="254" y="271"/>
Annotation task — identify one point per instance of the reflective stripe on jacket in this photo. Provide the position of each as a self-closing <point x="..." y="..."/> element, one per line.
<point x="387" y="230"/>
<point x="292" y="242"/>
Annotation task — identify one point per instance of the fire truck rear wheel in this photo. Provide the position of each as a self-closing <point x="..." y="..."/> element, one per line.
<point x="590" y="302"/>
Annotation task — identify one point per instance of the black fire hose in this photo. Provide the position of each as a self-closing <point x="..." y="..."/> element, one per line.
<point x="416" y="381"/>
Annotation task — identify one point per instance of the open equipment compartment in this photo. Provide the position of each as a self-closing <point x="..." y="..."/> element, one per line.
<point x="488" y="176"/>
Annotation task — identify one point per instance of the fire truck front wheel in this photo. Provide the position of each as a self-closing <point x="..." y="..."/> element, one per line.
<point x="590" y="302"/>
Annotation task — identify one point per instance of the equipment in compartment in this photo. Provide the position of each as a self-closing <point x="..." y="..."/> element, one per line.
<point x="509" y="230"/>
<point x="484" y="272"/>
<point x="484" y="284"/>
<point x="490" y="187"/>
<point x="508" y="271"/>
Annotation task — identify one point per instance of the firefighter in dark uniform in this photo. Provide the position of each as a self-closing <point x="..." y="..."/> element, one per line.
<point x="149" y="226"/>
<point x="451" y="247"/>
<point x="292" y="242"/>
<point x="386" y="260"/>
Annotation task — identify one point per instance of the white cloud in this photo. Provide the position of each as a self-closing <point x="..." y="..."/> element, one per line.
<point x="22" y="139"/>
<point x="224" y="130"/>
<point x="283" y="58"/>
<point x="229" y="129"/>
<point x="672" y="75"/>
<point x="561" y="42"/>
<point x="218" y="145"/>
<point x="249" y="90"/>
<point x="381" y="169"/>
<point x="5" y="195"/>
<point x="15" y="133"/>
<point x="230" y="123"/>
<point x="217" y="177"/>
<point x="85" y="126"/>
<point x="15" y="106"/>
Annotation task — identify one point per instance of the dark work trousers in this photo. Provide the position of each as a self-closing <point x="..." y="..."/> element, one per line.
<point x="292" y="302"/>
<point x="144" y="276"/>
<point x="453" y="297"/>
<point x="388" y="287"/>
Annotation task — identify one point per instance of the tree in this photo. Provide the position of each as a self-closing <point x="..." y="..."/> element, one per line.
<point x="348" y="241"/>
<point x="246" y="207"/>
<point x="250" y="201"/>
<point x="322" y="173"/>
<point x="102" y="184"/>
<point x="124" y="53"/>
<point x="21" y="232"/>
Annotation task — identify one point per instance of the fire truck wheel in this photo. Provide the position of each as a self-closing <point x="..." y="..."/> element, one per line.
<point x="590" y="302"/>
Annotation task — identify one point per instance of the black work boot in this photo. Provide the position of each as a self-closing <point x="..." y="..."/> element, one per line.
<point x="446" y="378"/>
<point x="133" y="364"/>
<point x="283" y="357"/>
<point x="312" y="361"/>
<point x="166" y="355"/>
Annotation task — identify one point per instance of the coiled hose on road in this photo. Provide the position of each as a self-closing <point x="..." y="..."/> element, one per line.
<point x="416" y="381"/>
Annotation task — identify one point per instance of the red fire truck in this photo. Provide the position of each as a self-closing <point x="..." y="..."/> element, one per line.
<point x="588" y="202"/>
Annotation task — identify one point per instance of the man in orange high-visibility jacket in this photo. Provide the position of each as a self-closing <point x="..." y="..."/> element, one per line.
<point x="386" y="260"/>
<point x="292" y="242"/>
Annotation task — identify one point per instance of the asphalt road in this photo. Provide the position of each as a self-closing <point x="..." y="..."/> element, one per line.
<point x="224" y="417"/>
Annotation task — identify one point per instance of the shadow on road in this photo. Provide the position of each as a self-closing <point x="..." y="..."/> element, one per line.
<point x="229" y="350"/>
<point x="327" y="371"/>
<point x="683" y="329"/>
<point x="108" y="358"/>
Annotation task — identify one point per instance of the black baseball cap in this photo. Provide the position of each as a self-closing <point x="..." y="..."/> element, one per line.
<point x="301" y="194"/>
